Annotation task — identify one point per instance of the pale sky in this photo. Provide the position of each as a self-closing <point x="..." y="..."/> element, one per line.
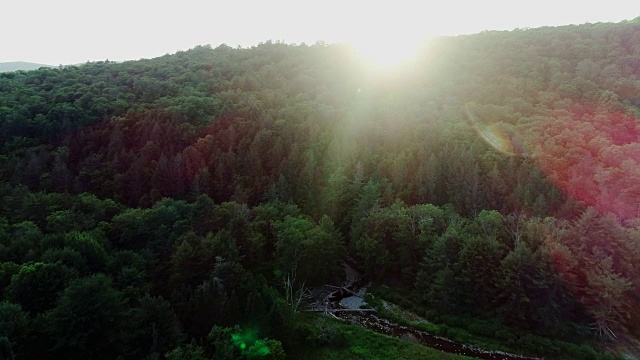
<point x="73" y="31"/>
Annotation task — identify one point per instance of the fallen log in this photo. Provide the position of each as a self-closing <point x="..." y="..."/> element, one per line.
<point x="341" y="310"/>
<point x="342" y="288"/>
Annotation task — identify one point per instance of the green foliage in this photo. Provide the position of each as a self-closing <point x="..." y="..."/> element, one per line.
<point x="7" y="270"/>
<point x="154" y="328"/>
<point x="87" y="319"/>
<point x="25" y="241"/>
<point x="93" y="253"/>
<point x="307" y="250"/>
<point x="231" y="343"/>
<point x="189" y="352"/>
<point x="68" y="257"/>
<point x="478" y="263"/>
<point x="319" y="332"/>
<point x="36" y="286"/>
<point x="15" y="326"/>
<point x="129" y="269"/>
<point x="176" y="195"/>
<point x="364" y="344"/>
<point x="485" y="334"/>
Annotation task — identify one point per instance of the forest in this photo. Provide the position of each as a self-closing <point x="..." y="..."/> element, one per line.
<point x="153" y="209"/>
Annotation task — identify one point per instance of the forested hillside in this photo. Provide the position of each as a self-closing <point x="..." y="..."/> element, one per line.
<point x="154" y="208"/>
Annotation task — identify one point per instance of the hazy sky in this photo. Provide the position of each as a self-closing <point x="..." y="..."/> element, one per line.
<point x="74" y="31"/>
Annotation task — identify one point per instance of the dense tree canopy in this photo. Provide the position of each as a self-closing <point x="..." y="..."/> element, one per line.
<point x="154" y="208"/>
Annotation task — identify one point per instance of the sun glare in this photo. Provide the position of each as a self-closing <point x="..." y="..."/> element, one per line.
<point x="383" y="54"/>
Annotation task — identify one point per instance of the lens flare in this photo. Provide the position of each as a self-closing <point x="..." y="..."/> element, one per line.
<point x="250" y="346"/>
<point x="496" y="135"/>
<point x="592" y="155"/>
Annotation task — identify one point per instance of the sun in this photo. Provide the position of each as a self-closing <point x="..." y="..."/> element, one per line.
<point x="385" y="55"/>
<point x="387" y="52"/>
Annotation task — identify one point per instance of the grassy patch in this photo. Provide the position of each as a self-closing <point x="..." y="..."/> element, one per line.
<point x="476" y="332"/>
<point x="359" y="343"/>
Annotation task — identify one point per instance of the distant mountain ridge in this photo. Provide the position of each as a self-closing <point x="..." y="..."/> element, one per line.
<point x="20" y="65"/>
